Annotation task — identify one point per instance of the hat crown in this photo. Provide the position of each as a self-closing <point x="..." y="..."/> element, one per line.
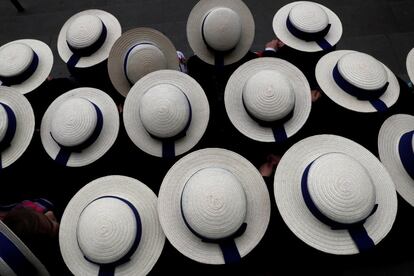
<point x="341" y="188"/>
<point x="164" y="110"/>
<point x="15" y="58"/>
<point x="106" y="230"/>
<point x="363" y="71"/>
<point x="309" y="17"/>
<point x="143" y="59"/>
<point x="74" y="122"/>
<point x="83" y="31"/>
<point x="4" y="122"/>
<point x="214" y="203"/>
<point x="268" y="95"/>
<point x="222" y="29"/>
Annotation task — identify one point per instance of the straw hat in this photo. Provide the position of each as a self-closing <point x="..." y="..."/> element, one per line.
<point x="138" y="52"/>
<point x="25" y="64"/>
<point x="80" y="126"/>
<point x="222" y="28"/>
<point x="111" y="223"/>
<point x="268" y="99"/>
<point x="212" y="198"/>
<point x="357" y="81"/>
<point x="166" y="113"/>
<point x="87" y="37"/>
<point x="335" y="195"/>
<point x="410" y="65"/>
<point x="15" y="257"/>
<point x="307" y="26"/>
<point x="395" y="147"/>
<point x="17" y="124"/>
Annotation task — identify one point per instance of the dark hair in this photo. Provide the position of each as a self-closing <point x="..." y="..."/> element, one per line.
<point x="26" y="224"/>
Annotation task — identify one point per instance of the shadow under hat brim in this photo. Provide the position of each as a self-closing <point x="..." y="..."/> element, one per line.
<point x="25" y="124"/>
<point x="410" y="65"/>
<point x="324" y="77"/>
<point x="43" y="69"/>
<point x="141" y="197"/>
<point x="4" y="269"/>
<point x="106" y="138"/>
<point x="282" y="33"/>
<point x="292" y="207"/>
<point x="199" y="107"/>
<point x="388" y="140"/>
<point x="169" y="207"/>
<point x="125" y="42"/>
<point x="114" y="31"/>
<point x="194" y="30"/>
<point x="243" y="122"/>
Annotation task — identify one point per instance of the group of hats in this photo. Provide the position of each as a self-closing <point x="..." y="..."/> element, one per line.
<point x="213" y="205"/>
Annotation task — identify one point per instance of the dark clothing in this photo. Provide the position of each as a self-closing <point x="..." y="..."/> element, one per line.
<point x="97" y="76"/>
<point x="305" y="61"/>
<point x="327" y="117"/>
<point x="44" y="95"/>
<point x="213" y="80"/>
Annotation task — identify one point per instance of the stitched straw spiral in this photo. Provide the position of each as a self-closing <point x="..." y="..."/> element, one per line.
<point x="144" y="59"/>
<point x="268" y="95"/>
<point x="222" y="29"/>
<point x="341" y="188"/>
<point x="3" y="122"/>
<point x="15" y="58"/>
<point x="74" y="122"/>
<point x="309" y="17"/>
<point x="84" y="30"/>
<point x="164" y="110"/>
<point x="214" y="203"/>
<point x="362" y="71"/>
<point x="106" y="230"/>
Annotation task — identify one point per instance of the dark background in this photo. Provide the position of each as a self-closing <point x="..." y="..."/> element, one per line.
<point x="382" y="28"/>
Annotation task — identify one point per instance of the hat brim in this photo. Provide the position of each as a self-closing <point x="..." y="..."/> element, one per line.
<point x="282" y="33"/>
<point x="145" y="201"/>
<point x="199" y="109"/>
<point x="5" y="269"/>
<point x="43" y="69"/>
<point x="292" y="207"/>
<point x="233" y="98"/>
<point x="172" y="222"/>
<point x="324" y="77"/>
<point x="106" y="138"/>
<point x="388" y="140"/>
<point x="194" y="30"/>
<point x="25" y="124"/>
<point x="114" y="31"/>
<point x="125" y="42"/>
<point x="410" y="65"/>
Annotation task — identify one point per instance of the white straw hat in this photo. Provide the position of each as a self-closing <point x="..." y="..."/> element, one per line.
<point x="357" y="81"/>
<point x="166" y="113"/>
<point x="395" y="147"/>
<point x="80" y="126"/>
<point x="138" y="52"/>
<point x="16" y="258"/>
<point x="17" y="125"/>
<point x="410" y="65"/>
<point x="220" y="32"/>
<point x="111" y="224"/>
<point x="335" y="195"/>
<point x="25" y="64"/>
<point x="86" y="38"/>
<point x="307" y="26"/>
<point x="214" y="206"/>
<point x="268" y="99"/>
